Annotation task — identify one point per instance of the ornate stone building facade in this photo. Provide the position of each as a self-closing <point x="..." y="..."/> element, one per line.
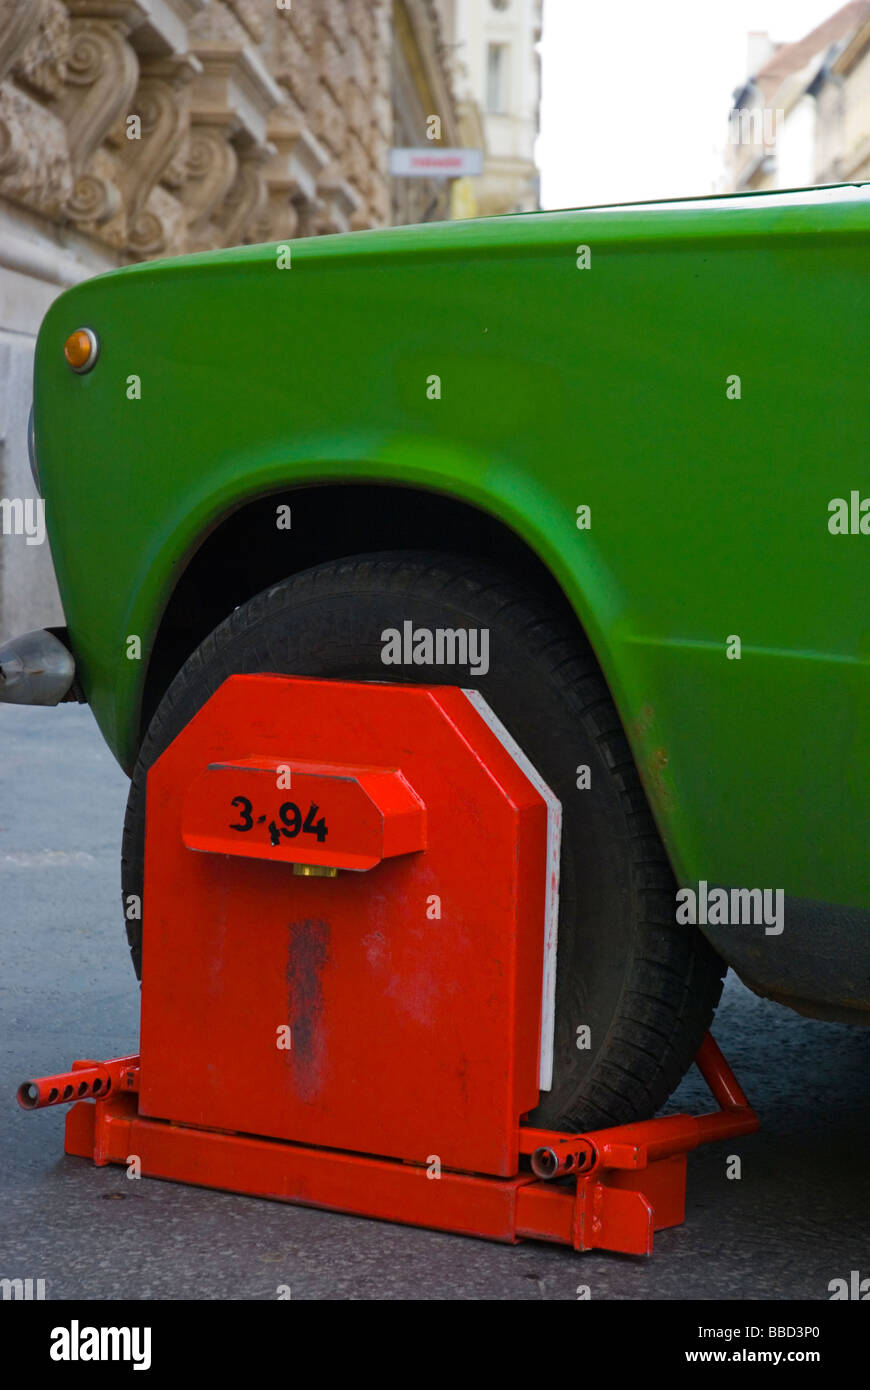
<point x="132" y="129"/>
<point x="156" y="127"/>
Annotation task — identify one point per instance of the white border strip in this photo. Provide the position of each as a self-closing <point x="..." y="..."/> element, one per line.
<point x="551" y="901"/>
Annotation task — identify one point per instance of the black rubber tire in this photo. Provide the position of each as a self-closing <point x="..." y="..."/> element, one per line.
<point x="645" y="986"/>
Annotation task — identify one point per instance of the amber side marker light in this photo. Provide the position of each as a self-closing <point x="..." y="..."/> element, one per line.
<point x="81" y="349"/>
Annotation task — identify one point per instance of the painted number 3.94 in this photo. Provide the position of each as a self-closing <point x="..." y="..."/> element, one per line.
<point x="290" y="817"/>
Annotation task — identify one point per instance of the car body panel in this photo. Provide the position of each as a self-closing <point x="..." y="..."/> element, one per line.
<point x="560" y="387"/>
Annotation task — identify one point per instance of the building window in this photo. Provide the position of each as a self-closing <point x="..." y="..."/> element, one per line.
<point x="496" y="77"/>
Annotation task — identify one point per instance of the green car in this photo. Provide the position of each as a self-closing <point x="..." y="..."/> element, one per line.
<point x="607" y="467"/>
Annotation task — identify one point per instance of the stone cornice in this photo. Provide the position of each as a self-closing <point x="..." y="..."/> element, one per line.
<point x="234" y="80"/>
<point x="164" y="29"/>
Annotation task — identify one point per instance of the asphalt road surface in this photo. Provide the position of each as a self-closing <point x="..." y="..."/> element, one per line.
<point x="798" y="1218"/>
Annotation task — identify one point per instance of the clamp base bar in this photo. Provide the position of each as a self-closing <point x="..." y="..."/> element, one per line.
<point x="635" y="1186"/>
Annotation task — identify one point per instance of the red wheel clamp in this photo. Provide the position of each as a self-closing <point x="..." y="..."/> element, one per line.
<point x="349" y="951"/>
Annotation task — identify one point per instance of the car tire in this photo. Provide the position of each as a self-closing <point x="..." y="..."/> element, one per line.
<point x="644" y="986"/>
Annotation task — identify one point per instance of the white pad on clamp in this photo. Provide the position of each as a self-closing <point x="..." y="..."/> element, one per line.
<point x="551" y="903"/>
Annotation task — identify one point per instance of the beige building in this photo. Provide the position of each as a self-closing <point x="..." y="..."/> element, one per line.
<point x="803" y="115"/>
<point x="133" y="129"/>
<point x="498" y="80"/>
<point x="842" y="144"/>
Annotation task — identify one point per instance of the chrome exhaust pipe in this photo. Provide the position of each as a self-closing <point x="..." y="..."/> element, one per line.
<point x="35" y="669"/>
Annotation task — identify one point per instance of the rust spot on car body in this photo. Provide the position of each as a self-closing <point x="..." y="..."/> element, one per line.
<point x="651" y="764"/>
<point x="641" y="726"/>
<point x="660" y="786"/>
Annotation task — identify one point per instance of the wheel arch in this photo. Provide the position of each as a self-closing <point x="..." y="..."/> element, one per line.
<point x="245" y="552"/>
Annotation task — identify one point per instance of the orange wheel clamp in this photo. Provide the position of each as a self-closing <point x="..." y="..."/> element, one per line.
<point x="349" y="953"/>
